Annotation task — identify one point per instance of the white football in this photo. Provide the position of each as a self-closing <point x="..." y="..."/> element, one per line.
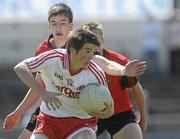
<point x="94" y="96"/>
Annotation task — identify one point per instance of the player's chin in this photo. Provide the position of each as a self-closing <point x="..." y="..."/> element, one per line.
<point x="86" y="63"/>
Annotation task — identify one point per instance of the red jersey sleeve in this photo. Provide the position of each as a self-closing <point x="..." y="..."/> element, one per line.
<point x="119" y="58"/>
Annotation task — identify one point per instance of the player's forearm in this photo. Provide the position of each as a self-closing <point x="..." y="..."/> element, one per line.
<point x="108" y="66"/>
<point x="114" y="68"/>
<point x="139" y="97"/>
<point x="23" y="72"/>
<point x="29" y="100"/>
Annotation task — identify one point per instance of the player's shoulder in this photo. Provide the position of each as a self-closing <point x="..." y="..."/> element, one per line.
<point x="114" y="56"/>
<point x="54" y="55"/>
<point x="97" y="71"/>
<point x="56" y="52"/>
<point x="60" y="51"/>
<point x="42" y="47"/>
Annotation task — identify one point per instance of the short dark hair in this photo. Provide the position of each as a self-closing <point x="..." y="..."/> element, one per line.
<point x="60" y="9"/>
<point x="78" y="37"/>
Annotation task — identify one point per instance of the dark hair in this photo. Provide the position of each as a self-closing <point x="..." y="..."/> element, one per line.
<point x="77" y="38"/>
<point x="60" y="9"/>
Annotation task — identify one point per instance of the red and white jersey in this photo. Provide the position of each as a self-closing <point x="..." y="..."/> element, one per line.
<point x="54" y="68"/>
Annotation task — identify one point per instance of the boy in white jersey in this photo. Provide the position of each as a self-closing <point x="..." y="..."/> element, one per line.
<point x="64" y="72"/>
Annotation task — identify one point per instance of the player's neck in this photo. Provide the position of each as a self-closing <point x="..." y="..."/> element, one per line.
<point x="101" y="52"/>
<point x="59" y="43"/>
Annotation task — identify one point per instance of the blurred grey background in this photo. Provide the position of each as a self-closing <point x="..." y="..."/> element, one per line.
<point x="143" y="29"/>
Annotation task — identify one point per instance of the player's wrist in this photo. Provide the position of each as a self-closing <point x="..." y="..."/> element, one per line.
<point x="18" y="113"/>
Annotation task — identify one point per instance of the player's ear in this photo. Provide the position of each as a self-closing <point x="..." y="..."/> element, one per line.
<point x="103" y="39"/>
<point x="71" y="25"/>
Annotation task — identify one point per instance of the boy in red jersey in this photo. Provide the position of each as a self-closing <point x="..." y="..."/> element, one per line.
<point x="123" y="124"/>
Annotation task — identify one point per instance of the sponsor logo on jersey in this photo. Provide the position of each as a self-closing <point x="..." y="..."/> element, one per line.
<point x="68" y="92"/>
<point x="58" y="75"/>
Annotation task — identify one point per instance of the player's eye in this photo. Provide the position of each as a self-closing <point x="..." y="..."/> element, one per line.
<point x="53" y="24"/>
<point x="88" y="51"/>
<point x="63" y="23"/>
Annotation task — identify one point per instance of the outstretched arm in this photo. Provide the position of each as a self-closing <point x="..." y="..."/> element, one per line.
<point x="139" y="97"/>
<point x="132" y="68"/>
<point x="15" y="117"/>
<point x="30" y="99"/>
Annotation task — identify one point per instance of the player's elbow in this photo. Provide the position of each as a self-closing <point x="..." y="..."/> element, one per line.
<point x="16" y="69"/>
<point x="19" y="68"/>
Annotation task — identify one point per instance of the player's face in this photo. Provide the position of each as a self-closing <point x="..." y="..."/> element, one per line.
<point x="101" y="40"/>
<point x="60" y="26"/>
<point x="100" y="37"/>
<point x="85" y="54"/>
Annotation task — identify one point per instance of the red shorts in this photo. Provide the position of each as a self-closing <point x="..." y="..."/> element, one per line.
<point x="61" y="128"/>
